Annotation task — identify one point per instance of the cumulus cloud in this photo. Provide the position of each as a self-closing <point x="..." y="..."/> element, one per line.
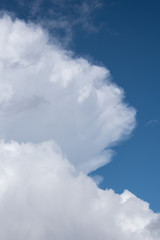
<point x="48" y="93"/>
<point x="42" y="196"/>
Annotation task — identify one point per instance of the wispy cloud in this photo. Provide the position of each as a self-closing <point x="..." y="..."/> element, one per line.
<point x="61" y="17"/>
<point x="86" y="11"/>
<point x="152" y="123"/>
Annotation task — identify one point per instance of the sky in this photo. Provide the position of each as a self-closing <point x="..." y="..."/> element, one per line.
<point x="79" y="119"/>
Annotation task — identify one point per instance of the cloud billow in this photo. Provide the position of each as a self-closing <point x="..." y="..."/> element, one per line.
<point x="42" y="196"/>
<point x="47" y="94"/>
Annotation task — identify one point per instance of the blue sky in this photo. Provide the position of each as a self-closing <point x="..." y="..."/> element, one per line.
<point x="124" y="37"/>
<point x="131" y="50"/>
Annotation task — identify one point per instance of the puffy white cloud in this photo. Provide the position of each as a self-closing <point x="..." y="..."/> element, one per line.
<point x="48" y="93"/>
<point x="42" y="196"/>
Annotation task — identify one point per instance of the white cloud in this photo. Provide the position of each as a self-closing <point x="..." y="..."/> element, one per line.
<point x="42" y="197"/>
<point x="48" y="93"/>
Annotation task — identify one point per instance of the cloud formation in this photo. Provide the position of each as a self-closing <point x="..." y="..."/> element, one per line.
<point x="42" y="196"/>
<point x="152" y="123"/>
<point x="56" y="17"/>
<point x="47" y="93"/>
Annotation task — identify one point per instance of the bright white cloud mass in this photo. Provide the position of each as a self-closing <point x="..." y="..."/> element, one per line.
<point x="47" y="94"/>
